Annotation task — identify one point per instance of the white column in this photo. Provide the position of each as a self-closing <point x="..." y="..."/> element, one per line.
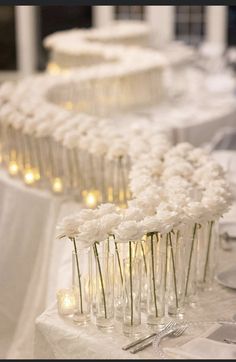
<point x="102" y="15"/>
<point x="26" y="38"/>
<point x="216" y="25"/>
<point x="161" y="22"/>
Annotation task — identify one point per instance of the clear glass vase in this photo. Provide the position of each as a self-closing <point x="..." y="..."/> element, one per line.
<point x="208" y="239"/>
<point x="191" y="255"/>
<point x="175" y="277"/>
<point x="119" y="278"/>
<point x="131" y="295"/>
<point x="156" y="258"/>
<point x="104" y="289"/>
<point x="81" y="272"/>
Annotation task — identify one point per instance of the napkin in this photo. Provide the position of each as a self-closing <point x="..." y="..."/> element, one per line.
<point x="211" y="345"/>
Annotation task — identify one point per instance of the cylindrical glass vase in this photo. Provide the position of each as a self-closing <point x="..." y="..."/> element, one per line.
<point x="156" y="280"/>
<point x="104" y="292"/>
<point x="175" y="279"/>
<point x="81" y="268"/>
<point x="118" y="279"/>
<point x="191" y="255"/>
<point x="207" y="254"/>
<point x="131" y="296"/>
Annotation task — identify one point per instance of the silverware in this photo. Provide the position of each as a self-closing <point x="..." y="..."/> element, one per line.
<point x="169" y="325"/>
<point x="229" y="341"/>
<point x="174" y="331"/>
<point x="227" y="237"/>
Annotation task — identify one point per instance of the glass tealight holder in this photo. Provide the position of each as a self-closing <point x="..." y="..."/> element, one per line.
<point x="66" y="302"/>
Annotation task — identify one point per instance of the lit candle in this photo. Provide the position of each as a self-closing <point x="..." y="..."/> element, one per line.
<point x="57" y="185"/>
<point x="13" y="168"/>
<point x="91" y="199"/>
<point x="110" y="194"/>
<point x="37" y="175"/>
<point x="66" y="302"/>
<point x="29" y="177"/>
<point x="69" y="105"/>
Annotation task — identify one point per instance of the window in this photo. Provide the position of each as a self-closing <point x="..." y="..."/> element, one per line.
<point x="56" y="18"/>
<point x="190" y="24"/>
<point x="232" y="25"/>
<point x="7" y="38"/>
<point x="129" y="12"/>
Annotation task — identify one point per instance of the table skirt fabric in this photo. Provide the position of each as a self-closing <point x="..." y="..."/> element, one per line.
<point x="30" y="258"/>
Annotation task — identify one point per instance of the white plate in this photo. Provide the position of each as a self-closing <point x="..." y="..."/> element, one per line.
<point x="227" y="278"/>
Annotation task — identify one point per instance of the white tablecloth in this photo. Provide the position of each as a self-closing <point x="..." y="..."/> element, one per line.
<point x="30" y="258"/>
<point x="59" y="338"/>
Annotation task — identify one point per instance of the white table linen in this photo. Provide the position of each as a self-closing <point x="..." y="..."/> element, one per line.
<point x="59" y="338"/>
<point x="210" y="345"/>
<point x="30" y="258"/>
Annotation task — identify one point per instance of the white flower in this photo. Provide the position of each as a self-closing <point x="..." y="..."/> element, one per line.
<point x="91" y="232"/>
<point x="68" y="227"/>
<point x="86" y="215"/>
<point x="168" y="218"/>
<point x="196" y="211"/>
<point x="183" y="169"/>
<point x="129" y="231"/>
<point x="105" y="209"/>
<point x="109" y="222"/>
<point x="149" y="199"/>
<point x="150" y="224"/>
<point x="133" y="213"/>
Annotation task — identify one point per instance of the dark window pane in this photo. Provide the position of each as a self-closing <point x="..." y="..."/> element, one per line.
<point x="232" y="26"/>
<point x="7" y="38"/>
<point x="190" y="23"/>
<point x="56" y="18"/>
<point x="129" y="12"/>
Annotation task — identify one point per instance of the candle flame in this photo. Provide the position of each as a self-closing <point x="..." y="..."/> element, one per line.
<point x="13" y="168"/>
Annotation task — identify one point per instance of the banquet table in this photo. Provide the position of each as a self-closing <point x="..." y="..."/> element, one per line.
<point x="29" y="260"/>
<point x="58" y="338"/>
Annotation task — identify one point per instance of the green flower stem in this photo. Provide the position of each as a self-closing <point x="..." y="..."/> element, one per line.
<point x="190" y="259"/>
<point x="144" y="258"/>
<point x="166" y="259"/>
<point x="208" y="251"/>
<point x="101" y="278"/>
<point x="79" y="275"/>
<point x="174" y="271"/>
<point x="131" y="284"/>
<point x="153" y="277"/>
<point x="118" y="259"/>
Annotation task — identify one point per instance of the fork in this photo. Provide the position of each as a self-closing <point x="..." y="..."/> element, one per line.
<point x="229" y="341"/>
<point x="174" y="331"/>
<point x="157" y="341"/>
<point x="169" y="325"/>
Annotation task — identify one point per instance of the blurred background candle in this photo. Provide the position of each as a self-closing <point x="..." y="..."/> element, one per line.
<point x="65" y="301"/>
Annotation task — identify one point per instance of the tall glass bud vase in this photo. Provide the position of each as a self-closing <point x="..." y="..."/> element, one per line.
<point x="207" y="254"/>
<point x="156" y="280"/>
<point x="119" y="278"/>
<point x="81" y="272"/>
<point x="131" y="294"/>
<point x="175" y="273"/>
<point x="104" y="293"/>
<point x="190" y="287"/>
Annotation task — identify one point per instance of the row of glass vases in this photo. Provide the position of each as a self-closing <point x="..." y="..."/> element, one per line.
<point x="148" y="280"/>
<point x="48" y="164"/>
